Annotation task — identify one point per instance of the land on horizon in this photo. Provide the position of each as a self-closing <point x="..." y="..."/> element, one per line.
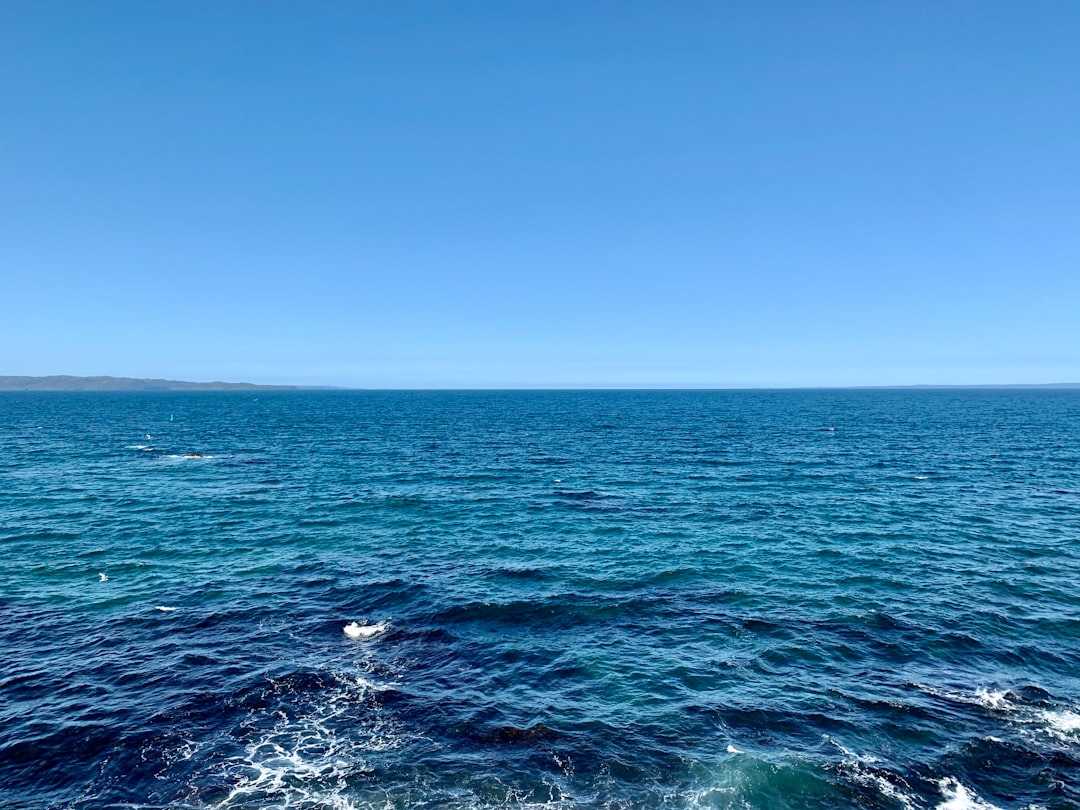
<point x="66" y="382"/>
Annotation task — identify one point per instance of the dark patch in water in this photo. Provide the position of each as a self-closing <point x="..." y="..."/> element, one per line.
<point x="527" y="574"/>
<point x="503" y="735"/>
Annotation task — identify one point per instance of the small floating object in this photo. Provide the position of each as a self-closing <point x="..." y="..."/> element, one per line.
<point x="102" y="578"/>
<point x="193" y="455"/>
<point x="165" y="609"/>
<point x="354" y="630"/>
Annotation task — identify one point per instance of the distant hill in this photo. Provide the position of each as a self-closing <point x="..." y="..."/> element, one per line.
<point x="64" y="382"/>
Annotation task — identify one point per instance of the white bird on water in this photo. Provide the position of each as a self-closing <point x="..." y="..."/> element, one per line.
<point x="102" y="578"/>
<point x="354" y="630"/>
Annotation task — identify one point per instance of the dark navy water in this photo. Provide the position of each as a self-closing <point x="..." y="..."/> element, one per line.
<point x="800" y="599"/>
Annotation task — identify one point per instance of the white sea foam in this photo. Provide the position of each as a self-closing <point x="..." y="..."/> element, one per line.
<point x="307" y="755"/>
<point x="958" y="797"/>
<point x="864" y="758"/>
<point x="165" y="609"/>
<point x="867" y="778"/>
<point x="717" y="796"/>
<point x="997" y="699"/>
<point x="731" y="749"/>
<point x="861" y="769"/>
<point x="1063" y="724"/>
<point x="355" y="630"/>
<point x="565" y="763"/>
<point x="182" y="750"/>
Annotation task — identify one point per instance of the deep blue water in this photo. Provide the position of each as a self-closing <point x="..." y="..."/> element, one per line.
<point x="800" y="599"/>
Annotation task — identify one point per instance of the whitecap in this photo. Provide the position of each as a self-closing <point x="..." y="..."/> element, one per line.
<point x="868" y="778"/>
<point x="863" y="770"/>
<point x="1062" y="724"/>
<point x="999" y="700"/>
<point x="356" y="630"/>
<point x="865" y="758"/>
<point x="731" y="749"/>
<point x="958" y="797"/>
<point x="993" y="698"/>
<point x="165" y="609"/>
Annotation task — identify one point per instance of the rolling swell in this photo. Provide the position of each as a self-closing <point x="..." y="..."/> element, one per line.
<point x="596" y="600"/>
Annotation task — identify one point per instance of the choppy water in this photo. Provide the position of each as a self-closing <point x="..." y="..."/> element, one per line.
<point x="600" y="600"/>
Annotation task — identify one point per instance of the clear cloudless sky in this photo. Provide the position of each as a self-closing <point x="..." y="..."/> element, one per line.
<point x="457" y="193"/>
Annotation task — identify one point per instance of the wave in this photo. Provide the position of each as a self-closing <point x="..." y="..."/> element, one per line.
<point x="366" y="631"/>
<point x="1030" y="709"/>
<point x="868" y="772"/>
<point x="958" y="797"/>
<point x="551" y="614"/>
<point x="588" y="500"/>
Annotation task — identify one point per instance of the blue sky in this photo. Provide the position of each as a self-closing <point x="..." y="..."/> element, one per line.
<point x="504" y="194"/>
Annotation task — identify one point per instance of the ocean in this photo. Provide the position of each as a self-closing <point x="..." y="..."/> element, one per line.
<point x="522" y="599"/>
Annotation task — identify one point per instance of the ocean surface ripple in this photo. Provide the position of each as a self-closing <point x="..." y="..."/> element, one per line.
<point x="728" y="599"/>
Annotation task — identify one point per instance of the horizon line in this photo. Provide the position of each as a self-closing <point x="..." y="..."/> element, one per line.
<point x="65" y="382"/>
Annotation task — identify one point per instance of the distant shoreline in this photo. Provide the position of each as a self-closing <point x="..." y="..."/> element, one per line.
<point x="63" y="382"/>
